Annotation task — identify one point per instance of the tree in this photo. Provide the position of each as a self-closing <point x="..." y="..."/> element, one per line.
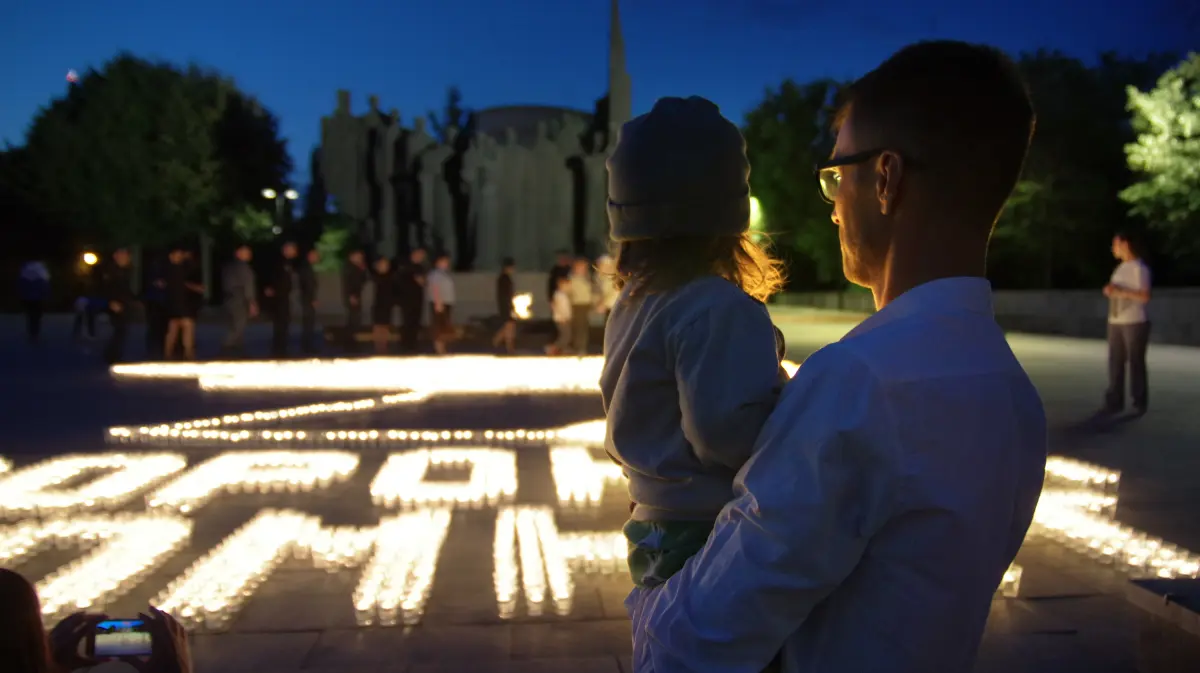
<point x="786" y="134"/>
<point x="336" y="241"/>
<point x="1056" y="228"/>
<point x="252" y="224"/>
<point x="1166" y="155"/>
<point x="146" y="152"/>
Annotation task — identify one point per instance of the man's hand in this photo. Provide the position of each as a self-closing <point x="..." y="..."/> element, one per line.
<point x="1110" y="290"/>
<point x="115" y="306"/>
<point x="66" y="637"/>
<point x="439" y="307"/>
<point x="314" y="303"/>
<point x="270" y="291"/>
<point x="253" y="309"/>
<point x="168" y="643"/>
<point x="353" y="300"/>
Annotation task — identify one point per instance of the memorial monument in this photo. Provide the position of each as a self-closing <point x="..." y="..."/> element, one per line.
<point x="519" y="181"/>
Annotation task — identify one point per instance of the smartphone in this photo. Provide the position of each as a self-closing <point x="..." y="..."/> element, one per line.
<point x="119" y="638"/>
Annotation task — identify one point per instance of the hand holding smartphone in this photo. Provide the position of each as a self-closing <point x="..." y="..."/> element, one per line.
<point x="120" y="639"/>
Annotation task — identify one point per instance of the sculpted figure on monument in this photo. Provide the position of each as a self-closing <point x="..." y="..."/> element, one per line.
<point x="515" y="180"/>
<point x="570" y="135"/>
<point x="419" y="143"/>
<point x="596" y="197"/>
<point x="373" y="185"/>
<point x="343" y="148"/>
<point x="436" y="205"/>
<point x="389" y="174"/>
<point x="555" y="198"/>
<point x="479" y="174"/>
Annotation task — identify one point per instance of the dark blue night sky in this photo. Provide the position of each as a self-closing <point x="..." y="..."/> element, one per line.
<point x="294" y="55"/>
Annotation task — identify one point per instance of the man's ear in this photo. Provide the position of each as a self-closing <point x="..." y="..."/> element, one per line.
<point x="889" y="171"/>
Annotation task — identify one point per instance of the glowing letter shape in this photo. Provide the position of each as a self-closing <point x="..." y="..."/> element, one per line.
<point x="401" y="480"/>
<point x="212" y="590"/>
<point x="33" y="489"/>
<point x="260" y="471"/>
<point x="533" y="533"/>
<point x="579" y="478"/>
<point x="132" y="547"/>
<point x="397" y="580"/>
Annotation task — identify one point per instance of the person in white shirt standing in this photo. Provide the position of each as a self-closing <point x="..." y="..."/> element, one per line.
<point x="1128" y="294"/>
<point x="895" y="481"/>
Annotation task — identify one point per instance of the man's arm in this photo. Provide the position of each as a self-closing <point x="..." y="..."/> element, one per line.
<point x="726" y="371"/>
<point x="821" y="483"/>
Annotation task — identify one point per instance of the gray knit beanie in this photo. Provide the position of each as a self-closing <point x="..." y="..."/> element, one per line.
<point x="679" y="170"/>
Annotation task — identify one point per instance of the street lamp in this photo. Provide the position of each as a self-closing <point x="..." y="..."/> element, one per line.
<point x="280" y="198"/>
<point x="90" y="258"/>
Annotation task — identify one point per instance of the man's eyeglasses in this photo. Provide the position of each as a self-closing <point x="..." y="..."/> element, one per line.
<point x="829" y="178"/>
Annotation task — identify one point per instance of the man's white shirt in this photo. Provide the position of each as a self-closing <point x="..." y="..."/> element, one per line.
<point x="887" y="495"/>
<point x="1130" y="275"/>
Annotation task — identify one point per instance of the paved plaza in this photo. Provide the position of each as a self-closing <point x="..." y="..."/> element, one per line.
<point x="1070" y="615"/>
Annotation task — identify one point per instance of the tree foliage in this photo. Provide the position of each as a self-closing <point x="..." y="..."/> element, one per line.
<point x="1057" y="226"/>
<point x="1166" y="154"/>
<point x="146" y="152"/>
<point x="786" y="134"/>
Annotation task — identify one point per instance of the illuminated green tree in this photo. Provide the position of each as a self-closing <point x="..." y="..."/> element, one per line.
<point x="786" y="134"/>
<point x="1166" y="155"/>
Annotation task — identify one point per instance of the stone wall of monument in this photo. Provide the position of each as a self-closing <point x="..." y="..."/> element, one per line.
<point x="479" y="198"/>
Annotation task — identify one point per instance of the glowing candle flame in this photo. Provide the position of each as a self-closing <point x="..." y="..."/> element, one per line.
<point x="521" y="304"/>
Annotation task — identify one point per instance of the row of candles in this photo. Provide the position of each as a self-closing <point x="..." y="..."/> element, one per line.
<point x="532" y="558"/>
<point x="230" y="426"/>
<point x="474" y="374"/>
<point x="403" y="480"/>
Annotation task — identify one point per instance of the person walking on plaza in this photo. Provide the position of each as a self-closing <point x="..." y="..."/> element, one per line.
<point x="440" y="289"/>
<point x="505" y="292"/>
<point x="354" y="279"/>
<point x="183" y="305"/>
<point x="241" y="299"/>
<point x="561" y="269"/>
<point x="1128" y="295"/>
<point x="410" y="281"/>
<point x="154" y="299"/>
<point x="116" y="286"/>
<point x="306" y="275"/>
<point x="560" y="313"/>
<point x="583" y="304"/>
<point x="34" y="288"/>
<point x="280" y="291"/>
<point x="383" y="275"/>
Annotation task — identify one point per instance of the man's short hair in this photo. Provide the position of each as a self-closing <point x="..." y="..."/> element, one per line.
<point x="959" y="112"/>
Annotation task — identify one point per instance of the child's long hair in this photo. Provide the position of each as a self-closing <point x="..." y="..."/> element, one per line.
<point x="660" y="265"/>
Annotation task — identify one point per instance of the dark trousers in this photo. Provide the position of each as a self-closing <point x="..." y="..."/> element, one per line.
<point x="308" y="328"/>
<point x="281" y="323"/>
<point x="410" y="324"/>
<point x="1127" y="348"/>
<point x="33" y="319"/>
<point x="115" y="350"/>
<point x="85" y="324"/>
<point x="239" y="316"/>
<point x="354" y="321"/>
<point x="156" y="329"/>
<point x="581" y="328"/>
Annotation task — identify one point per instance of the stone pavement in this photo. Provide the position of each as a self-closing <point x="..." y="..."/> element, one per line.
<point x="1070" y="616"/>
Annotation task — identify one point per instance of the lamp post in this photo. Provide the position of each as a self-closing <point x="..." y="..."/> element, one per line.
<point x="280" y="198"/>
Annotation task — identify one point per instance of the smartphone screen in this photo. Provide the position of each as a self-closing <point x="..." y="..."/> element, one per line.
<point x="121" y="638"/>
